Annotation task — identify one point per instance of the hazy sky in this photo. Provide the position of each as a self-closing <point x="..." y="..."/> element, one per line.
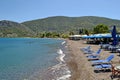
<point x="25" y="10"/>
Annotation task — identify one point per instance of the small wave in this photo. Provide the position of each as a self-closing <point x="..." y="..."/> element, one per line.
<point x="61" y="56"/>
<point x="63" y="42"/>
<point x="59" y="71"/>
<point x="64" y="77"/>
<point x="62" y="67"/>
<point x="60" y="51"/>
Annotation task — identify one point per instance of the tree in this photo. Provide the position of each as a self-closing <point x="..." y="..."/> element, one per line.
<point x="81" y="31"/>
<point x="71" y="33"/>
<point x="86" y="32"/>
<point x="100" y="28"/>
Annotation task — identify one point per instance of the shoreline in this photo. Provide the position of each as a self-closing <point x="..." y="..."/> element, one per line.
<point x="59" y="71"/>
<point x="79" y="65"/>
<point x="78" y="62"/>
<point x="73" y="64"/>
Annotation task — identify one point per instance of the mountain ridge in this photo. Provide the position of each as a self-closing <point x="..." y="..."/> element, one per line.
<point x="59" y="24"/>
<point x="63" y="23"/>
<point x="14" y="29"/>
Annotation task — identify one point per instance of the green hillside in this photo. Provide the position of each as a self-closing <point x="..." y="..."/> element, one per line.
<point x="56" y="24"/>
<point x="14" y="29"/>
<point x="63" y="24"/>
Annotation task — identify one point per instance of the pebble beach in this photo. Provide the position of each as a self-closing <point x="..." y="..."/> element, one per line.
<point x="81" y="68"/>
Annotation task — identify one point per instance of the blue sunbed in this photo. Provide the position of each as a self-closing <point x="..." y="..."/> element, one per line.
<point x="102" y="67"/>
<point x="107" y="60"/>
<point x="94" y="55"/>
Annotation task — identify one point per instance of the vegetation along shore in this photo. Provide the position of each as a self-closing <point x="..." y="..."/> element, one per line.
<point x="57" y="26"/>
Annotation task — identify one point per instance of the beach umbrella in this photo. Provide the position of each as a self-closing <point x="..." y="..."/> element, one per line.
<point x="114" y="32"/>
<point x="97" y="36"/>
<point x="84" y="36"/>
<point x="91" y="36"/>
<point x="88" y="37"/>
<point x="107" y="36"/>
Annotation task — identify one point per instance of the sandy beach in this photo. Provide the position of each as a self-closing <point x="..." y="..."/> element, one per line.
<point x="81" y="68"/>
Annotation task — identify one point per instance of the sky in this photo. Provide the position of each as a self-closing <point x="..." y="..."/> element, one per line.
<point x="26" y="10"/>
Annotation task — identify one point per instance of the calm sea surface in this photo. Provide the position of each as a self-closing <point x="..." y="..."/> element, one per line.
<point x="21" y="58"/>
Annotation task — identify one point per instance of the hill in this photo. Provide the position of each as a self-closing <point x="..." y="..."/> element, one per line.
<point x="14" y="29"/>
<point x="63" y="24"/>
<point x="59" y="24"/>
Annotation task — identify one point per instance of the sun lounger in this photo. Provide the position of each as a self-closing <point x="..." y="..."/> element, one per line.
<point x="86" y="48"/>
<point x="94" y="56"/>
<point x="105" y="46"/>
<point x="95" y="53"/>
<point x="88" y="51"/>
<point x="102" y="67"/>
<point x="107" y="60"/>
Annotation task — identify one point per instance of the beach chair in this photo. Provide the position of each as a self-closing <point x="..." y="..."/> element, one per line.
<point x="86" y="48"/>
<point x="107" y="60"/>
<point x="94" y="56"/>
<point x="95" y="53"/>
<point x="105" y="46"/>
<point x="103" y="67"/>
<point x="88" y="51"/>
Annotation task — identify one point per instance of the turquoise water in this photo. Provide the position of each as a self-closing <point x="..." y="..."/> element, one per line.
<point x="20" y="58"/>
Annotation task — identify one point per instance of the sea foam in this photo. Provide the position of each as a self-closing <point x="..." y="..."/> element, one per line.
<point x="62" y="66"/>
<point x="59" y="71"/>
<point x="61" y="55"/>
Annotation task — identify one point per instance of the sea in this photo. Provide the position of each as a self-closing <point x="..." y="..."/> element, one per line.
<point x="33" y="59"/>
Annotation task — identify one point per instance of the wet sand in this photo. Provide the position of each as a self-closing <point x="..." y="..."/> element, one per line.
<point x="81" y="68"/>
